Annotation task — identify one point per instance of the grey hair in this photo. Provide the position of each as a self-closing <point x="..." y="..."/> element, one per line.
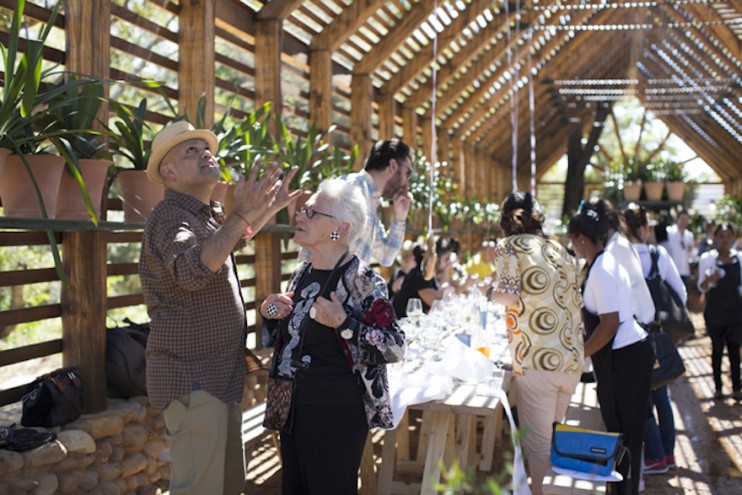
<point x="347" y="204"/>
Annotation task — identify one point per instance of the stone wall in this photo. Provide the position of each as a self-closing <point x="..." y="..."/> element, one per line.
<point x="119" y="451"/>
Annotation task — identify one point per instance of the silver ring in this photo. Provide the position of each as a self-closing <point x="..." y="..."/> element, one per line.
<point x="272" y="310"/>
<point x="313" y="312"/>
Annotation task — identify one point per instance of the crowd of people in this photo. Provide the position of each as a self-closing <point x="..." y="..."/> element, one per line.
<point x="335" y="327"/>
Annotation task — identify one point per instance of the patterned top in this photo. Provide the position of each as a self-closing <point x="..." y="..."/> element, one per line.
<point x="377" y="338"/>
<point x="198" y="329"/>
<point x="545" y="327"/>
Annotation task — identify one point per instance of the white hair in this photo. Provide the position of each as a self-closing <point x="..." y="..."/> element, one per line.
<point x="347" y="204"/>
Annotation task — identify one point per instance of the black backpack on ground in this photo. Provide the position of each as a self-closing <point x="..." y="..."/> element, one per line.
<point x="125" y="360"/>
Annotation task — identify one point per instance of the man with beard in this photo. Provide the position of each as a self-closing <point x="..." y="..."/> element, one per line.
<point x="386" y="174"/>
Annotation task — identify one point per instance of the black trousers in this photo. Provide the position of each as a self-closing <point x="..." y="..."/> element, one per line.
<point x="322" y="454"/>
<point x="725" y="337"/>
<point x="630" y="383"/>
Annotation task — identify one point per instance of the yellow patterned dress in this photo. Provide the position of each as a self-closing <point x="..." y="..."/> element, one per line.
<point x="545" y="327"/>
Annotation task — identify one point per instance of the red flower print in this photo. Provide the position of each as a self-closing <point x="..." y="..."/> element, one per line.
<point x="381" y="314"/>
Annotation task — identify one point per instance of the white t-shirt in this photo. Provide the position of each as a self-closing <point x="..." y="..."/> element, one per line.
<point x="680" y="246"/>
<point x="608" y="290"/>
<point x="627" y="257"/>
<point x="666" y="267"/>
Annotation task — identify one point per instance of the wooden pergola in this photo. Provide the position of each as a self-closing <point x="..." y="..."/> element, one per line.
<point x="373" y="67"/>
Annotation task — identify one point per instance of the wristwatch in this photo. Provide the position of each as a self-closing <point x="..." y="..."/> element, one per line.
<point x="346" y="333"/>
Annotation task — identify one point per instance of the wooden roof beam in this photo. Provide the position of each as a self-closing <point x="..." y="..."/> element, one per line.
<point x="278" y="9"/>
<point x="424" y="58"/>
<point x="345" y="24"/>
<point x="395" y="38"/>
<point x="722" y="32"/>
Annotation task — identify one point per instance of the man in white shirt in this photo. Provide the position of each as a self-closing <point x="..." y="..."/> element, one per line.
<point x="680" y="245"/>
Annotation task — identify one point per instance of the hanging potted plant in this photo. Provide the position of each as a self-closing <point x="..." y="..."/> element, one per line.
<point x="675" y="180"/>
<point x="139" y="195"/>
<point x="632" y="182"/>
<point x="31" y="175"/>
<point x="87" y="160"/>
<point x="654" y="185"/>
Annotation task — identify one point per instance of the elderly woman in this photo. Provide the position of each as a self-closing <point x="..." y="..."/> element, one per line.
<point x="620" y="349"/>
<point x="334" y="330"/>
<point x="537" y="281"/>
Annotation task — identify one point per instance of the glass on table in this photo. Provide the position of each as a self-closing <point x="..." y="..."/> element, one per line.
<point x="414" y="309"/>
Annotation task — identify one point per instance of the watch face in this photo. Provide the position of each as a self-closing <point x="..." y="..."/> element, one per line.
<point x="346" y="334"/>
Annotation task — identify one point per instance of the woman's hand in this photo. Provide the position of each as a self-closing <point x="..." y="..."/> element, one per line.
<point x="328" y="312"/>
<point x="277" y="306"/>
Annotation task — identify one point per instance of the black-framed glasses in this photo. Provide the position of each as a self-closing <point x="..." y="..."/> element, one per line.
<point x="310" y="212"/>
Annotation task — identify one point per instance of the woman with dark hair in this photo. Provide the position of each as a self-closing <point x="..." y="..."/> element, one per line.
<point x="621" y="352"/>
<point x="537" y="282"/>
<point x="719" y="278"/>
<point x="659" y="435"/>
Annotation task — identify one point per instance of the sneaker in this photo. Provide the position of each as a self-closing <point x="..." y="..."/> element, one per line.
<point x="655" y="467"/>
<point x="670" y="461"/>
<point x="718" y="395"/>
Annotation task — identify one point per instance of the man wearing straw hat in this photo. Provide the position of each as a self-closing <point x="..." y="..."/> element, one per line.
<point x="196" y="347"/>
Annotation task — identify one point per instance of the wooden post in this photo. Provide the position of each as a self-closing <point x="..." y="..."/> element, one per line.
<point x="409" y="126"/>
<point x="83" y="303"/>
<point x="268" y="36"/>
<point x="387" y="106"/>
<point x="427" y="139"/>
<point x="320" y="85"/>
<point x="196" y="57"/>
<point x="267" y="269"/>
<point x="83" y="300"/>
<point x="361" y="98"/>
<point x="456" y="162"/>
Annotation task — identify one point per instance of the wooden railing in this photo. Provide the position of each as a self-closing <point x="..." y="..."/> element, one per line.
<point x="84" y="302"/>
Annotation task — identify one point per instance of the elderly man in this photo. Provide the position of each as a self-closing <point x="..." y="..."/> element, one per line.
<point x="196" y="348"/>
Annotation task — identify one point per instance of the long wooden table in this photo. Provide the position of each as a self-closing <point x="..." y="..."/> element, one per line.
<point x="448" y="432"/>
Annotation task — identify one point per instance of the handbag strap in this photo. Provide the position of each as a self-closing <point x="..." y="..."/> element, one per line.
<point x="654" y="255"/>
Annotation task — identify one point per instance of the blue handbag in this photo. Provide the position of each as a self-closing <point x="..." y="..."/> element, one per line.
<point x="587" y="451"/>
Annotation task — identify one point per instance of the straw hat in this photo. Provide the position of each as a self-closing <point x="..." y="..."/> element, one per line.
<point x="170" y="137"/>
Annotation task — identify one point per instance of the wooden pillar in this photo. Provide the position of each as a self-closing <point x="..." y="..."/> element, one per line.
<point x="469" y="172"/>
<point x="268" y="36"/>
<point x="427" y="139"/>
<point x="457" y="163"/>
<point x="443" y="146"/>
<point x="409" y="126"/>
<point x="387" y="110"/>
<point x="83" y="302"/>
<point x="361" y="98"/>
<point x="196" y="57"/>
<point x="320" y="88"/>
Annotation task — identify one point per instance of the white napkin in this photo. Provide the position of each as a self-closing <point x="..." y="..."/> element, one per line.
<point x="420" y="386"/>
<point x="462" y="362"/>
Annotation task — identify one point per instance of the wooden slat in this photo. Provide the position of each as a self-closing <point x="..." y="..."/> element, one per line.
<point x="26" y="353"/>
<point x="114" y="302"/>
<point x="278" y="9"/>
<point x="28" y="276"/>
<point x="8" y="239"/>
<point x="118" y="269"/>
<point x="12" y="394"/>
<point x="345" y="24"/>
<point x="24" y="315"/>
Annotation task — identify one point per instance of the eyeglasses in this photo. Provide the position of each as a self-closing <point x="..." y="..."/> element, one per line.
<point x="310" y="212"/>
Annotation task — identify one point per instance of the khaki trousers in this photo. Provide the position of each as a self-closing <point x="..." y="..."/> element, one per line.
<point x="543" y="398"/>
<point x="205" y="437"/>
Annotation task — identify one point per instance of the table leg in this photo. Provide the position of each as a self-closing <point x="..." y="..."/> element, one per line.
<point x="368" y="476"/>
<point x="465" y="425"/>
<point x="403" y="438"/>
<point x="439" y="422"/>
<point x="388" y="461"/>
<point x="489" y="434"/>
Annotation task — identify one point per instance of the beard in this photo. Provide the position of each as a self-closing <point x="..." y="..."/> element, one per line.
<point x="393" y="186"/>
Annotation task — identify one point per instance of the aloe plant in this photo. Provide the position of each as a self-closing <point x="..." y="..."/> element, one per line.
<point x="127" y="138"/>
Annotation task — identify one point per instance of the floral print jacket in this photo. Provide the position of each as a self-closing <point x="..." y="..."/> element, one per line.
<point x="377" y="338"/>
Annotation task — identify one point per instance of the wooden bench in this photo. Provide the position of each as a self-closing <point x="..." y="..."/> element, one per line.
<point x="584" y="412"/>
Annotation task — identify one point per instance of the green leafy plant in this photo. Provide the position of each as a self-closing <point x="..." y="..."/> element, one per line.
<point x="729" y="209"/>
<point x="673" y="171"/>
<point x="129" y="136"/>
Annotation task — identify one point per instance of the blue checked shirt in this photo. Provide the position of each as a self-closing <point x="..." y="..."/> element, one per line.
<point x="376" y="242"/>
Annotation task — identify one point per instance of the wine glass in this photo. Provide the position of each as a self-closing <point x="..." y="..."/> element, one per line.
<point x="414" y="309"/>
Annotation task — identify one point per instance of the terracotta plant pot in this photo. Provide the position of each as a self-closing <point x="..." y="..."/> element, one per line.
<point x="17" y="190"/>
<point x="654" y="190"/>
<point x="4" y="152"/>
<point x="139" y="195"/>
<point x="70" y="203"/>
<point x="632" y="191"/>
<point x="675" y="191"/>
